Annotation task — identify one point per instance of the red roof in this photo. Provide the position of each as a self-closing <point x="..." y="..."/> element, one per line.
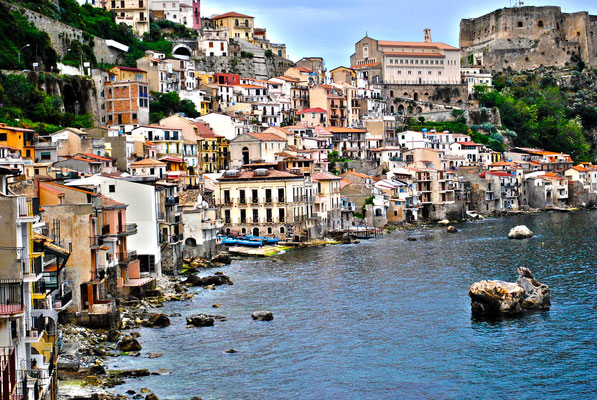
<point x="267" y="137"/>
<point x="469" y="143"/>
<point x="325" y="176"/>
<point x="171" y="159"/>
<point x="271" y="174"/>
<point x="366" y="65"/>
<point x="313" y="110"/>
<point x="130" y="69"/>
<point x="303" y="69"/>
<point x="204" y="131"/>
<point x="495" y="173"/>
<point x="231" y="14"/>
<point x="433" y="45"/>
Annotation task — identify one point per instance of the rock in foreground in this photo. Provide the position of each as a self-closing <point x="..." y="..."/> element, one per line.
<point x="129" y="343"/>
<point x="222" y="279"/>
<point x="520" y="232"/>
<point x="509" y="298"/>
<point x="158" y="320"/>
<point x="262" y="316"/>
<point x="200" y="320"/>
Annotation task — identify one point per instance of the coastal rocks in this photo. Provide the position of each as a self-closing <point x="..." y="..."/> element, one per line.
<point x="443" y="222"/>
<point x="222" y="259"/>
<point x="452" y="229"/>
<point x="411" y="239"/>
<point x="216" y="280"/>
<point x="129" y="343"/>
<point x="262" y="316"/>
<point x="230" y="351"/>
<point x="537" y="294"/>
<point x="520" y="232"/>
<point x="508" y="298"/>
<point x="154" y="355"/>
<point x="151" y="396"/>
<point x="114" y="336"/>
<point x="158" y="320"/>
<point x="200" y="320"/>
<point x="161" y="372"/>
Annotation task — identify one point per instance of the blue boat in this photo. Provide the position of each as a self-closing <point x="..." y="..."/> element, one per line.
<point x="229" y="241"/>
<point x="249" y="243"/>
<point x="271" y="240"/>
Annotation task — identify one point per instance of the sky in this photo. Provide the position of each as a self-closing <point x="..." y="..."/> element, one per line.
<point x="330" y="28"/>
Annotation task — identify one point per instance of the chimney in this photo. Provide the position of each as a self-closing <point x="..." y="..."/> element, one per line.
<point x="427" y="35"/>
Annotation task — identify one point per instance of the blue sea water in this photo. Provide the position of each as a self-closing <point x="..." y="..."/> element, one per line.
<point x="390" y="319"/>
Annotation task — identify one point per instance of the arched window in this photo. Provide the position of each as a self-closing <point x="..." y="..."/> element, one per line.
<point x="245" y="155"/>
<point x="415" y="96"/>
<point x="540" y="24"/>
<point x="246" y="23"/>
<point x="255" y="231"/>
<point x="519" y="24"/>
<point x="281" y="229"/>
<point x="391" y="93"/>
<point x="236" y="22"/>
<point x="190" y="242"/>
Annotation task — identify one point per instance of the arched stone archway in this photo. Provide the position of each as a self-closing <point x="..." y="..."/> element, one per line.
<point x="415" y="96"/>
<point x="182" y="51"/>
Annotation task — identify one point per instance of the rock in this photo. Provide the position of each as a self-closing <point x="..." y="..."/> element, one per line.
<point x="134" y="373"/>
<point x="230" y="351"/>
<point x="537" y="294"/>
<point x="452" y="229"/>
<point x="200" y="320"/>
<point x="509" y="298"/>
<point x="129" y="343"/>
<point x="130" y="391"/>
<point x="216" y="280"/>
<point x="176" y="314"/>
<point x="222" y="259"/>
<point x="196" y="398"/>
<point x="97" y="370"/>
<point x="443" y="222"/>
<point x="158" y="320"/>
<point x="178" y="288"/>
<point x="411" y="239"/>
<point x="262" y="316"/>
<point x="113" y="336"/>
<point x="144" y="390"/>
<point x="217" y="305"/>
<point x="138" y="396"/>
<point x="346" y="240"/>
<point x="162" y="372"/>
<point x="151" y="396"/>
<point x="155" y="355"/>
<point x="520" y="232"/>
<point x="209" y="287"/>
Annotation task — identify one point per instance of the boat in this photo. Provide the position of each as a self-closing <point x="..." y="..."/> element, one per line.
<point x="229" y="241"/>
<point x="249" y="243"/>
<point x="271" y="240"/>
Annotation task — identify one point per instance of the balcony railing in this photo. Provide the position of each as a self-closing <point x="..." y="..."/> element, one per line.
<point x="126" y="256"/>
<point x="127" y="229"/>
<point x="61" y="300"/>
<point x="11" y="298"/>
<point x="32" y="268"/>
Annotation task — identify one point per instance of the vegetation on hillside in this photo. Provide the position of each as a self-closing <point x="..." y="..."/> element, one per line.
<point x="16" y="33"/>
<point x="163" y="105"/>
<point x="539" y="112"/>
<point x="22" y="104"/>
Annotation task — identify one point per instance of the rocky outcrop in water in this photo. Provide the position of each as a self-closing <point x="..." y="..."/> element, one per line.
<point x="158" y="320"/>
<point x="452" y="229"/>
<point x="509" y="298"/>
<point x="219" y="279"/>
<point x="200" y="320"/>
<point x="129" y="343"/>
<point x="262" y="316"/>
<point x="520" y="232"/>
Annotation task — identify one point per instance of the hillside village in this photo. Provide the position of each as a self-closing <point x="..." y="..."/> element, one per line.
<point x="218" y="136"/>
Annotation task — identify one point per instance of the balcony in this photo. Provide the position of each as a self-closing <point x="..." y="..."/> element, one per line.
<point x="126" y="257"/>
<point x="35" y="330"/>
<point x="11" y="298"/>
<point x="27" y="209"/>
<point x="96" y="242"/>
<point x="32" y="269"/>
<point x="61" y="301"/>
<point x="127" y="229"/>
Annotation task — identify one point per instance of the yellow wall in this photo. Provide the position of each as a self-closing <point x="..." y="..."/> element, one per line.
<point x="17" y="139"/>
<point x="239" y="31"/>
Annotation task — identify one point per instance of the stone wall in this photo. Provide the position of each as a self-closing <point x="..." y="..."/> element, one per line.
<point x="577" y="197"/>
<point x="527" y="38"/>
<point x="416" y="99"/>
<point x="172" y="259"/>
<point x="62" y="34"/>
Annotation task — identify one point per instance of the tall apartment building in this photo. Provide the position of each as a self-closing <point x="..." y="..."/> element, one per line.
<point x="127" y="98"/>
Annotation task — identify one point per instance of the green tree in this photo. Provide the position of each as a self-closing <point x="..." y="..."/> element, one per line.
<point x="163" y="105"/>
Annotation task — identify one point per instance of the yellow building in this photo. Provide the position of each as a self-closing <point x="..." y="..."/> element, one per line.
<point x="204" y="78"/>
<point x="18" y="138"/>
<point x="120" y="74"/>
<point x="239" y="25"/>
<point x="213" y="150"/>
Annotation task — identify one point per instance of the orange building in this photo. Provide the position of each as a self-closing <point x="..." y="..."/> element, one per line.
<point x="18" y="138"/>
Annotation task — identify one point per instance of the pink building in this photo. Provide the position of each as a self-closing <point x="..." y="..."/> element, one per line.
<point x="197" y="14"/>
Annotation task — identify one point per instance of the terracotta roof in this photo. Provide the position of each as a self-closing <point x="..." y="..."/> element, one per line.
<point x="345" y="182"/>
<point x="359" y="174"/>
<point x="504" y="164"/>
<point x="172" y="159"/>
<point x="97" y="156"/>
<point x="231" y="14"/>
<point x="84" y="159"/>
<point x="495" y="173"/>
<point x="146" y="161"/>
<point x="579" y="168"/>
<point x="436" y="55"/>
<point x="303" y="69"/>
<point x="432" y="45"/>
<point x="325" y="176"/>
<point x="365" y="65"/>
<point x="288" y="78"/>
<point x="313" y="110"/>
<point x="469" y="143"/>
<point x="204" y="131"/>
<point x="338" y="129"/>
<point x="71" y="188"/>
<point x="266" y="137"/>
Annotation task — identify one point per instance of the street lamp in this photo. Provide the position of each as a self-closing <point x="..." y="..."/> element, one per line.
<point x="27" y="45"/>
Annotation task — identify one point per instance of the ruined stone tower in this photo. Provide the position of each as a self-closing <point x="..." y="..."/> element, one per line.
<point x="527" y="38"/>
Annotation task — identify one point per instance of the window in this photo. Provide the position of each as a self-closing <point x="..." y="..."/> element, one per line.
<point x="46" y="156"/>
<point x="111" y="188"/>
<point x="3" y="137"/>
<point x="519" y="24"/>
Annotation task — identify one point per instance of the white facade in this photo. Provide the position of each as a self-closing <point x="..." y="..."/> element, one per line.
<point x="214" y="42"/>
<point x="143" y="202"/>
<point x="223" y="125"/>
<point x="474" y="77"/>
<point x="178" y="11"/>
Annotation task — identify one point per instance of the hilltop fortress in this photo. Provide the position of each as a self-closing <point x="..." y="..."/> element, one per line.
<point x="528" y="37"/>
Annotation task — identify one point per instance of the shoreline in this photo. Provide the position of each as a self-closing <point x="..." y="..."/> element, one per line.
<point x="92" y="381"/>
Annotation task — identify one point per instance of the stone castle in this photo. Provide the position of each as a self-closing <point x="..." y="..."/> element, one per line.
<point x="527" y="38"/>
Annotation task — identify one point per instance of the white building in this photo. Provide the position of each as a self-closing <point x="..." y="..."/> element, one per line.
<point x="224" y="125"/>
<point x="474" y="77"/>
<point x="143" y="201"/>
<point x="214" y="42"/>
